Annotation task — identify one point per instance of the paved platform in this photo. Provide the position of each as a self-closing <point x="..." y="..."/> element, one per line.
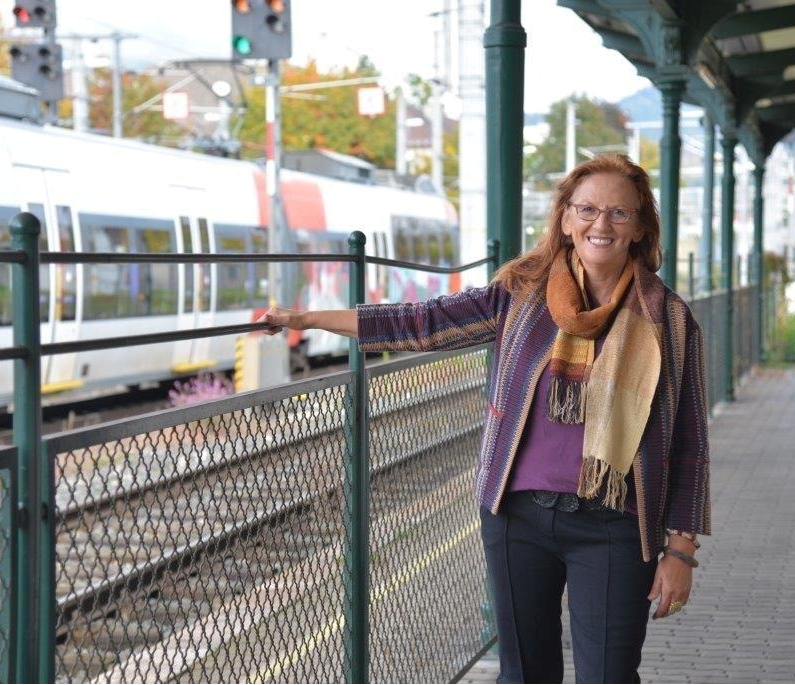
<point x="739" y="625"/>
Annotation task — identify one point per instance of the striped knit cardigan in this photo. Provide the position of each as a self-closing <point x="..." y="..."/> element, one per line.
<point x="671" y="469"/>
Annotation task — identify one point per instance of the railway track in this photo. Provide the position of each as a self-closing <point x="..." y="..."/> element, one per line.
<point x="121" y="554"/>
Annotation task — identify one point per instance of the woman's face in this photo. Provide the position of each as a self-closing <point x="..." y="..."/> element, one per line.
<point x="602" y="244"/>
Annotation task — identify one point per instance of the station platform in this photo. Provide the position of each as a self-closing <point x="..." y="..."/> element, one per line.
<point x="739" y="623"/>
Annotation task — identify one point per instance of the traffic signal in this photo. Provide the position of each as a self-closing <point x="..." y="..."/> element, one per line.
<point x="34" y="14"/>
<point x="261" y="29"/>
<point x="38" y="65"/>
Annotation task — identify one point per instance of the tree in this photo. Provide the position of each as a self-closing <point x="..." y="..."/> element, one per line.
<point x="5" y="57"/>
<point x="650" y="157"/>
<point x="329" y="120"/>
<point x="598" y="124"/>
<point x="148" y="125"/>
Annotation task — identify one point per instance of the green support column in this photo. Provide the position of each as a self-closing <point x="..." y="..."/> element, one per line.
<point x="759" y="253"/>
<point x="25" y="229"/>
<point x="727" y="257"/>
<point x="708" y="208"/>
<point x="670" y="147"/>
<point x="504" y="41"/>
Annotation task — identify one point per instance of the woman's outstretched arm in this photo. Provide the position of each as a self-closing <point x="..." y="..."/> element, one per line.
<point x="340" y="321"/>
<point x="443" y="323"/>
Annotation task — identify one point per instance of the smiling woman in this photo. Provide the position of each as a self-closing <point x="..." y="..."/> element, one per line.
<point x="594" y="457"/>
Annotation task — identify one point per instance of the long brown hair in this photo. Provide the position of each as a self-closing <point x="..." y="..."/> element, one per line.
<point x="529" y="271"/>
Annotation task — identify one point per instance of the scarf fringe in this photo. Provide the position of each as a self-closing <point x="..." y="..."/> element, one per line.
<point x="566" y="401"/>
<point x="592" y="475"/>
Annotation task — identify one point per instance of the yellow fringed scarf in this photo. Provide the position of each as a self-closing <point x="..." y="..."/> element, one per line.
<point x="613" y="394"/>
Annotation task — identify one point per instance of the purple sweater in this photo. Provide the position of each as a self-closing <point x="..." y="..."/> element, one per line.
<point x="671" y="471"/>
<point x="549" y="456"/>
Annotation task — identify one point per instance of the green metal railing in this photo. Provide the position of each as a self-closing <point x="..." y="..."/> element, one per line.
<point x="254" y="537"/>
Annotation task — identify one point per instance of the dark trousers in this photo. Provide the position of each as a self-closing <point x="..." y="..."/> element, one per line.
<point x="531" y="554"/>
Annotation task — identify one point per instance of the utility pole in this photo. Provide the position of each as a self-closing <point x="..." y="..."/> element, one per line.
<point x="116" y="37"/>
<point x="400" y="133"/>
<point x="117" y="129"/>
<point x="79" y="89"/>
<point x="472" y="133"/>
<point x="571" y="135"/>
<point x="437" y="118"/>
<point x="272" y="174"/>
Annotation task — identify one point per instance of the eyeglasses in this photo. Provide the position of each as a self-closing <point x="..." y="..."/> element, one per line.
<point x="616" y="215"/>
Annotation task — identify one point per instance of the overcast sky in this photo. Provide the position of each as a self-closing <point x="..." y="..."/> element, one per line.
<point x="563" y="54"/>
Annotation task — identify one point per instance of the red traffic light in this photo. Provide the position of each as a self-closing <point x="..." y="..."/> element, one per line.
<point x="22" y="14"/>
<point x="276" y="5"/>
<point x="242" y="6"/>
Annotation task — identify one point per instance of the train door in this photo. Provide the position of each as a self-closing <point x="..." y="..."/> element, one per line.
<point x="195" y="310"/>
<point x="67" y="279"/>
<point x="32" y="194"/>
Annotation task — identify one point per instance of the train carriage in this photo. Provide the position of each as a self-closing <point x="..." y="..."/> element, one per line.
<point x="99" y="194"/>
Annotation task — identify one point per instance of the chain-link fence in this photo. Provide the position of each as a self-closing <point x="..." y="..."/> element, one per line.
<point x="426" y="555"/>
<point x="207" y="544"/>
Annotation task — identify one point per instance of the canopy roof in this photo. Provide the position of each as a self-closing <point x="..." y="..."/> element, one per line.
<point x="737" y="59"/>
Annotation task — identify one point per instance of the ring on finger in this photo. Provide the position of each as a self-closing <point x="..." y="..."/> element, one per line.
<point x="675" y="606"/>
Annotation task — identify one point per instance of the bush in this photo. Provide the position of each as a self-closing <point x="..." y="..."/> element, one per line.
<point x="203" y="388"/>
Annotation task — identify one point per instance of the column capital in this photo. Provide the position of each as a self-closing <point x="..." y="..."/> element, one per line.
<point x="671" y="84"/>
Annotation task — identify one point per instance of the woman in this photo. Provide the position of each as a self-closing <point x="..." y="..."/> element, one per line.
<point x="594" y="457"/>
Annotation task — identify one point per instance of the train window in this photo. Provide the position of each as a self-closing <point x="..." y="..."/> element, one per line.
<point x="5" y="269"/>
<point x="121" y="290"/>
<point x="448" y="249"/>
<point x="107" y="288"/>
<point x="187" y="269"/>
<point x="44" y="270"/>
<point x="235" y="281"/>
<point x="204" y="270"/>
<point x="419" y="244"/>
<point x="433" y="249"/>
<point x="65" y="274"/>
<point x="157" y="283"/>
<point x="204" y="235"/>
<point x="402" y="245"/>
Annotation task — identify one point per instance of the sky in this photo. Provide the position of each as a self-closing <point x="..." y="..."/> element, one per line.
<point x="563" y="54"/>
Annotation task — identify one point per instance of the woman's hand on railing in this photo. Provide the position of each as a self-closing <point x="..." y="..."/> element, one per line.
<point x="279" y="318"/>
<point x="340" y="321"/>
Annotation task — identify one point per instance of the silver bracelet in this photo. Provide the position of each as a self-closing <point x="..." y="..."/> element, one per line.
<point x="685" y="535"/>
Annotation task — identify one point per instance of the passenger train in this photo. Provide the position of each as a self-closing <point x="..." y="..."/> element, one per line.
<point x="99" y="194"/>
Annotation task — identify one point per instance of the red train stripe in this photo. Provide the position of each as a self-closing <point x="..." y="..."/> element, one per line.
<point x="262" y="197"/>
<point x="303" y="205"/>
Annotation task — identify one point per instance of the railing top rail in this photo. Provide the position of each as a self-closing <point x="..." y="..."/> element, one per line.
<point x="186" y="258"/>
<point x="166" y="418"/>
<point x="149" y="338"/>
<point x="17" y="352"/>
<point x="12" y="257"/>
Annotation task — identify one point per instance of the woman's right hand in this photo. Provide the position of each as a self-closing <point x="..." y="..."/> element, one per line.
<point x="280" y="318"/>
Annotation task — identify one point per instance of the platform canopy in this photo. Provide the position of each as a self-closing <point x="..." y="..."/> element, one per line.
<point x="737" y="59"/>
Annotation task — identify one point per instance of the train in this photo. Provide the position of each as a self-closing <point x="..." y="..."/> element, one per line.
<point x="93" y="193"/>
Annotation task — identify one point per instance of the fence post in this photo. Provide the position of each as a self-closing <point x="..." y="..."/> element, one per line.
<point x="25" y="229"/>
<point x="357" y="520"/>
